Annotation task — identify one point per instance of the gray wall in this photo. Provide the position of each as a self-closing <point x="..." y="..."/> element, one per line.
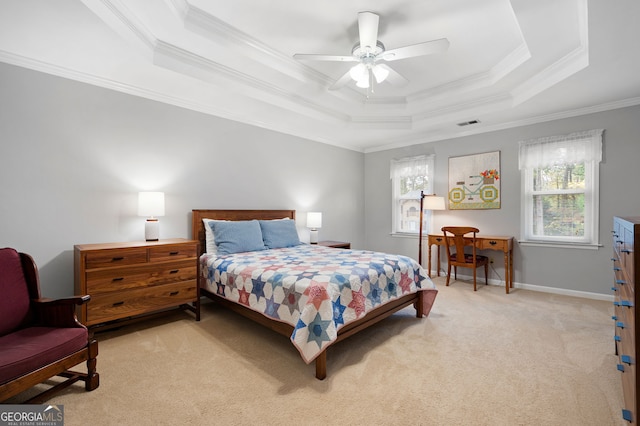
<point x="73" y="157"/>
<point x="573" y="269"/>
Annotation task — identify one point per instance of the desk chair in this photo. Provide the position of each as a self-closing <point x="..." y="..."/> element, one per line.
<point x="455" y="237"/>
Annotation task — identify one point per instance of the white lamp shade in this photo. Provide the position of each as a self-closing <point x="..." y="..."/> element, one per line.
<point x="432" y="202"/>
<point x="314" y="220"/>
<point x="151" y="204"/>
<point x="359" y="72"/>
<point x="380" y="73"/>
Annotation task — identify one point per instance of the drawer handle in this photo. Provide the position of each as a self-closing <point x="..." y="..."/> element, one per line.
<point x="614" y="289"/>
<point x="617" y="269"/>
<point x="438" y="239"/>
<point x="626" y="415"/>
<point x="620" y="324"/>
<point x="118" y="304"/>
<point x="175" y="271"/>
<point x="626" y="303"/>
<point x="620" y="367"/>
<point x="621" y="282"/>
<point x="614" y="259"/>
<point x="617" y="338"/>
<point x="118" y="279"/>
<point x="173" y="253"/>
<point x="116" y="259"/>
<point x="626" y="359"/>
<point x="173" y="293"/>
<point x="493" y="243"/>
<point x="626" y="251"/>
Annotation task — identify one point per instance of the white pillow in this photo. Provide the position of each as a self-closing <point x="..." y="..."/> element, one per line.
<point x="209" y="237"/>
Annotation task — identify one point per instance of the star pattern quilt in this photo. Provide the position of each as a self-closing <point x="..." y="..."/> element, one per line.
<point x="315" y="289"/>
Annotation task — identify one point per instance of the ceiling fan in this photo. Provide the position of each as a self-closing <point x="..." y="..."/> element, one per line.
<point x="371" y="55"/>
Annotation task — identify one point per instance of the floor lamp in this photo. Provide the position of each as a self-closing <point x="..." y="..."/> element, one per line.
<point x="427" y="202"/>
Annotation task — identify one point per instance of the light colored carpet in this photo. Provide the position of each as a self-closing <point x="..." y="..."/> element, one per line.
<point x="483" y="358"/>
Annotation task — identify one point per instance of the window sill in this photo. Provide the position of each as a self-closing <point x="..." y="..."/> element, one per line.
<point x="580" y="246"/>
<point x="407" y="235"/>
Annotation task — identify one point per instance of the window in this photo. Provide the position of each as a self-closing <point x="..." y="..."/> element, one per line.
<point x="409" y="176"/>
<point x="560" y="188"/>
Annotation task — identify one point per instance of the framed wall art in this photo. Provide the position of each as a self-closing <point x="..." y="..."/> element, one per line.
<point x="474" y="181"/>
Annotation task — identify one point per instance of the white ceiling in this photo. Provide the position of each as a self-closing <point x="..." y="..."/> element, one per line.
<point x="509" y="62"/>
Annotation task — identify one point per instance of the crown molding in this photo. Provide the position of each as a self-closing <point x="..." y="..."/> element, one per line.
<point x="383" y="122"/>
<point x="119" y="18"/>
<point x="204" y="24"/>
<point x="566" y="66"/>
<point x="175" y="58"/>
<point x="509" y="63"/>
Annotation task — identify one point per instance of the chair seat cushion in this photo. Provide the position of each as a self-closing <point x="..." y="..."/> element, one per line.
<point x="468" y="258"/>
<point x="28" y="349"/>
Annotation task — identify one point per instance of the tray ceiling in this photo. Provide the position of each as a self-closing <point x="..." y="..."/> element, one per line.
<point x="509" y="62"/>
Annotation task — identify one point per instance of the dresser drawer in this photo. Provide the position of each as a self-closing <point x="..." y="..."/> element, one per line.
<point x="171" y="252"/>
<point x="118" y="305"/>
<point x="144" y="275"/>
<point x="115" y="257"/>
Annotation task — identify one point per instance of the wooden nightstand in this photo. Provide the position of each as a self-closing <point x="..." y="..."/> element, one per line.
<point x="127" y="280"/>
<point x="335" y="244"/>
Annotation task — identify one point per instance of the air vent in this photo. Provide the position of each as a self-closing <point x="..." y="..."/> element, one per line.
<point x="467" y="123"/>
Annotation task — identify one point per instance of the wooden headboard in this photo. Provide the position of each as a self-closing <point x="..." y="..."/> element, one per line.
<point x="197" y="226"/>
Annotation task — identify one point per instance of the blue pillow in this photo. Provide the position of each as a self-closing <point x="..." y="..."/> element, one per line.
<point x="237" y="236"/>
<point x="279" y="233"/>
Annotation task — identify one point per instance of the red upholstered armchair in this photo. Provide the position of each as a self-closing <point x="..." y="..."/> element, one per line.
<point x="39" y="338"/>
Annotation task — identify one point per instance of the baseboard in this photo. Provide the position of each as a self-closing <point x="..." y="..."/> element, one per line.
<point x="540" y="288"/>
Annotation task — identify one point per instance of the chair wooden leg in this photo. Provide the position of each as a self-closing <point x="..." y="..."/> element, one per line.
<point x="92" y="380"/>
<point x="486" y="274"/>
<point x="474" y="279"/>
<point x="448" y="274"/>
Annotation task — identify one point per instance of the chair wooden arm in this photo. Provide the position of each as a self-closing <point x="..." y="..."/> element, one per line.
<point x="58" y="312"/>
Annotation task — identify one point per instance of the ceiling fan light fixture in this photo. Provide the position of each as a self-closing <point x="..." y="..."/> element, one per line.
<point x="358" y="72"/>
<point x="368" y="51"/>
<point x="363" y="82"/>
<point x="380" y="73"/>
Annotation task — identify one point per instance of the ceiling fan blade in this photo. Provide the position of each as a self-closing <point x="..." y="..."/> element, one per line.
<point x="394" y="77"/>
<point x="420" y="49"/>
<point x="342" y="81"/>
<point x="368" y="29"/>
<point x="313" y="57"/>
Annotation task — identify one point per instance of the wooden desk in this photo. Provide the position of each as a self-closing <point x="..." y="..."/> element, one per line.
<point x="484" y="242"/>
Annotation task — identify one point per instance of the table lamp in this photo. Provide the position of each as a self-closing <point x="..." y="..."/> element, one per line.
<point x="151" y="205"/>
<point x="314" y="221"/>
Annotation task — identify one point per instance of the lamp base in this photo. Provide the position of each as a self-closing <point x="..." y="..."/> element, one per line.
<point x="313" y="236"/>
<point x="152" y="230"/>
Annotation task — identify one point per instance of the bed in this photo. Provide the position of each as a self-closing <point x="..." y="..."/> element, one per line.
<point x="316" y="296"/>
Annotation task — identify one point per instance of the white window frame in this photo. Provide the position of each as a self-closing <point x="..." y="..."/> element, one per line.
<point x="542" y="152"/>
<point x="398" y="168"/>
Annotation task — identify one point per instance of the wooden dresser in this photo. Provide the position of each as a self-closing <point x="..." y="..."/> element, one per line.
<point x="626" y="266"/>
<point x="126" y="280"/>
